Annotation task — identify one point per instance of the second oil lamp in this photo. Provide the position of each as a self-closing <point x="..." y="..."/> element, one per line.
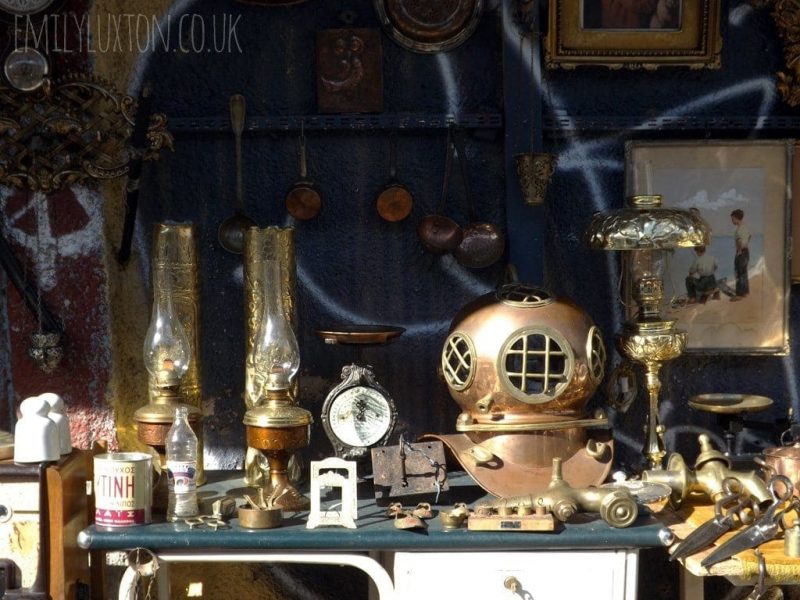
<point x="275" y="425"/>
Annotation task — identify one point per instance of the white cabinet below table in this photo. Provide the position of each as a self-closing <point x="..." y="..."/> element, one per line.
<point x="552" y="575"/>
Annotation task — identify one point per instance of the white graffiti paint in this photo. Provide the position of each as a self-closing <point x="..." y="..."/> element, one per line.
<point x="43" y="247"/>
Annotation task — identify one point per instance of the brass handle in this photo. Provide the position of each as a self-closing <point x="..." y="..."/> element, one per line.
<point x="513" y="584"/>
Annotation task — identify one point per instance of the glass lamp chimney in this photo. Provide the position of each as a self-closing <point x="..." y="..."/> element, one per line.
<point x="167" y="352"/>
<point x="275" y="356"/>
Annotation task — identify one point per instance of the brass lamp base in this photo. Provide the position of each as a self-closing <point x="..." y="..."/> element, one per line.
<point x="153" y="422"/>
<point x="652" y="343"/>
<point x="278" y="429"/>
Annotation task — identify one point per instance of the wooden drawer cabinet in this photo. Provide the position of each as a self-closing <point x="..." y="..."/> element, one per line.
<point x="57" y="504"/>
<point x="545" y="575"/>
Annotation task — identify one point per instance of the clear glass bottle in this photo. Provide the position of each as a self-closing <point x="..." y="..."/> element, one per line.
<point x="181" y="449"/>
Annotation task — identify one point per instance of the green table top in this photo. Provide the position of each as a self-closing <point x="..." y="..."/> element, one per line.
<point x="375" y="531"/>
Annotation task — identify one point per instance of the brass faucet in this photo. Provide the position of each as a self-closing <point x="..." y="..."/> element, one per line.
<point x="616" y="506"/>
<point x="711" y="468"/>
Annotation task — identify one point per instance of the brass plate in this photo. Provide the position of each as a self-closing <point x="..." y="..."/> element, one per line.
<point x="730" y="403"/>
<point x="359" y="334"/>
<point x="497" y="522"/>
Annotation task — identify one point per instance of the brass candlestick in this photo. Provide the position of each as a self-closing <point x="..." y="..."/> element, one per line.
<point x="646" y="231"/>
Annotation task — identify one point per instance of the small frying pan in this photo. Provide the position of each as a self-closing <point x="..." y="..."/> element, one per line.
<point x="303" y="200"/>
<point x="394" y="201"/>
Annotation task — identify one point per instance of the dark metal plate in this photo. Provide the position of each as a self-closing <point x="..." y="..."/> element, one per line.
<point x="414" y="484"/>
<point x="730" y="403"/>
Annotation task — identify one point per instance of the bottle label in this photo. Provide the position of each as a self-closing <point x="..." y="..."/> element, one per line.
<point x="182" y="476"/>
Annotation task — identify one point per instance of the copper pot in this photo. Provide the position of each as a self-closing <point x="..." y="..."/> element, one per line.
<point x="782" y="460"/>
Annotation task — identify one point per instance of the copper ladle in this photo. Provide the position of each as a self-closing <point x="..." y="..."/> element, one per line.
<point x="440" y="234"/>
<point x="483" y="243"/>
<point x="231" y="231"/>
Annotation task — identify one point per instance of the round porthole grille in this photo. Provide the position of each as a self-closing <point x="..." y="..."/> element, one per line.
<point x="458" y="361"/>
<point x="537" y="364"/>
<point x="596" y="352"/>
<point x="518" y="294"/>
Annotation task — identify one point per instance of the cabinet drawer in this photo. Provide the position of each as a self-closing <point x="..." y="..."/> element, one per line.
<point x="602" y="575"/>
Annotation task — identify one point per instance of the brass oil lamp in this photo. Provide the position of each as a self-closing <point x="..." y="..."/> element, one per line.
<point x="646" y="232"/>
<point x="167" y="355"/>
<point x="275" y="425"/>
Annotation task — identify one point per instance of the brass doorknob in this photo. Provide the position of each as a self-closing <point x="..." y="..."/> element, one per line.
<point x="513" y="584"/>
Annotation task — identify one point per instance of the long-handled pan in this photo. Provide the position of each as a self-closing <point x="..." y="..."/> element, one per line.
<point x="440" y="234"/>
<point x="394" y="202"/>
<point x="303" y="200"/>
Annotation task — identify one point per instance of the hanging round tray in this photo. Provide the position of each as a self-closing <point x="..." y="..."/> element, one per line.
<point x="425" y="26"/>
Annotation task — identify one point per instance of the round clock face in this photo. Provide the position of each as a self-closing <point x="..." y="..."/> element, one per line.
<point x="24" y="7"/>
<point x="360" y="416"/>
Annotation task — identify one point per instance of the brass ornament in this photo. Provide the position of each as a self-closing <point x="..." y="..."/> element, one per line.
<point x="46" y="350"/>
<point x="69" y="131"/>
<point x="786" y="14"/>
<point x="535" y="169"/>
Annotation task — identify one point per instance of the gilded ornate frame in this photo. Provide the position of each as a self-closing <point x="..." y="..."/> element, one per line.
<point x="697" y="44"/>
<point x="786" y="14"/>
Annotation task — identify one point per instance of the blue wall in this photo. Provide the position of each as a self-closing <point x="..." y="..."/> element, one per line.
<point x="354" y="267"/>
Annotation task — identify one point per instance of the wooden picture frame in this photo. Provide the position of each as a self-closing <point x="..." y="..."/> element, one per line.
<point x="605" y="33"/>
<point x="745" y="310"/>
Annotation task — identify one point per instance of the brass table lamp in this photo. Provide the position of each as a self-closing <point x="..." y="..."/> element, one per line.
<point x="646" y="232"/>
<point x="275" y="425"/>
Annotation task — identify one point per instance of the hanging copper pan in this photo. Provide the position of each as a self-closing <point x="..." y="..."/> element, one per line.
<point x="426" y="26"/>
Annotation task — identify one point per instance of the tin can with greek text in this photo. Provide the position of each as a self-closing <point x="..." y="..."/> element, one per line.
<point x="123" y="489"/>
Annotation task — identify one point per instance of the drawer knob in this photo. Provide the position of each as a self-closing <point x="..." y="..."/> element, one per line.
<point x="513" y="584"/>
